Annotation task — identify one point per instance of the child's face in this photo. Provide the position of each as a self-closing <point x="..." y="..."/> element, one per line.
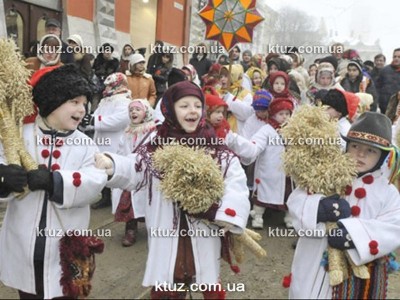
<point x="224" y="80"/>
<point x="137" y="114"/>
<point x="282" y="116"/>
<point x="325" y="80"/>
<point x="127" y="51"/>
<point x="262" y="114"/>
<point x="246" y="57"/>
<point x="353" y="72"/>
<point x="217" y="116"/>
<point x="165" y="59"/>
<point x="257" y="80"/>
<point x="312" y="71"/>
<point x="188" y="112"/>
<point x="366" y="157"/>
<point x="68" y="116"/>
<point x="279" y="85"/>
<point x="273" y="69"/>
<point x="333" y="113"/>
<point x="188" y="74"/>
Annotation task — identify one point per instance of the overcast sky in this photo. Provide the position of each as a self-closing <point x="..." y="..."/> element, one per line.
<point x="368" y="19"/>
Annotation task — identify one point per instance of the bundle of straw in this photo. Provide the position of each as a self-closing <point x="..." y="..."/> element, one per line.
<point x="194" y="180"/>
<point x="320" y="167"/>
<point x="15" y="104"/>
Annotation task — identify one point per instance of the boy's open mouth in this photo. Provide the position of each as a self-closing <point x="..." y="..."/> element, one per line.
<point x="76" y="118"/>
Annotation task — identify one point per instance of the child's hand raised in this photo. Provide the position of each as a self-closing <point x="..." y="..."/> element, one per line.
<point x="332" y="209"/>
<point x="102" y="161"/>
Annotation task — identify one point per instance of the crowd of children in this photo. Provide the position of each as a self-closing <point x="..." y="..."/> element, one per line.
<point x="244" y="107"/>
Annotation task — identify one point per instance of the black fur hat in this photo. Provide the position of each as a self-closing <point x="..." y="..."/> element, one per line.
<point x="58" y="86"/>
<point x="336" y="99"/>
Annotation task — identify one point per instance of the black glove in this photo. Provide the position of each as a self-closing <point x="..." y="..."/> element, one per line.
<point x="13" y="178"/>
<point x="87" y="120"/>
<point x="40" y="179"/>
<point x="340" y="238"/>
<point x="332" y="209"/>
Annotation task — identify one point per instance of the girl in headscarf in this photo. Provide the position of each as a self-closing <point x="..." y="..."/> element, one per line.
<point x="131" y="206"/>
<point x="180" y="258"/>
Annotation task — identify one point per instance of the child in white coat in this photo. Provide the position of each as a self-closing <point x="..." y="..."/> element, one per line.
<point x="110" y="120"/>
<point x="179" y="258"/>
<point x="368" y="219"/>
<point x="271" y="186"/>
<point x="129" y="207"/>
<point x="60" y="190"/>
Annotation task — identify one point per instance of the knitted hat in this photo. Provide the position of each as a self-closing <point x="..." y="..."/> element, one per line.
<point x="357" y="64"/>
<point x="116" y="83"/>
<point x="136" y="58"/>
<point x="261" y="100"/>
<point x="330" y="59"/>
<point x="213" y="102"/>
<point x="76" y="38"/>
<point x="279" y="104"/>
<point x="371" y="128"/>
<point x="58" y="86"/>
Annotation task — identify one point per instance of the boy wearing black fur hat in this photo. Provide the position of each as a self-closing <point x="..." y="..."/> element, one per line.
<point x="368" y="219"/>
<point x="61" y="189"/>
<point x="343" y="107"/>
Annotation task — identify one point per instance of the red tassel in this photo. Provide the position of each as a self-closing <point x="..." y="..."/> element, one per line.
<point x="235" y="269"/>
<point x="287" y="280"/>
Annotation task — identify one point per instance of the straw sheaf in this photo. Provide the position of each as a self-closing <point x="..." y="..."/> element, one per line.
<point x="191" y="177"/>
<point x="14" y="88"/>
<point x="316" y="168"/>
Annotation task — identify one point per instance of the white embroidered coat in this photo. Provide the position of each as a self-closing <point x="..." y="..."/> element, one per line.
<point x="379" y="220"/>
<point x="160" y="216"/>
<point x="21" y="222"/>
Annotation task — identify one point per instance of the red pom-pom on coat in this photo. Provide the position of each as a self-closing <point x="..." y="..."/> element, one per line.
<point x="360" y="193"/>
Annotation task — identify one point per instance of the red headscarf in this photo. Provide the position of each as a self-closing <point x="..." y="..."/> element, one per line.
<point x="285" y="93"/>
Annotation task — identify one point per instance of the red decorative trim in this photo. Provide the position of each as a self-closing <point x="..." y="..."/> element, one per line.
<point x="45" y="153"/>
<point x="355" y="210"/>
<point x="348" y="190"/>
<point x="55" y="167"/>
<point x="368" y="179"/>
<point x="374" y="251"/>
<point x="230" y="212"/>
<point x="56" y="154"/>
<point x="360" y="193"/>
<point x="373" y="244"/>
<point x="257" y="181"/>
<point x="76" y="175"/>
<point x="76" y="182"/>
<point x="59" y="142"/>
<point x="99" y="118"/>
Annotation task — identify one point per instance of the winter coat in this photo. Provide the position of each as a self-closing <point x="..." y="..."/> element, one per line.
<point x="19" y="232"/>
<point x="142" y="87"/>
<point x="388" y="83"/>
<point x="103" y="68"/>
<point x="202" y="66"/>
<point x="379" y="220"/>
<point x="130" y="173"/>
<point x="265" y="147"/>
<point x="110" y="119"/>
<point x="362" y="84"/>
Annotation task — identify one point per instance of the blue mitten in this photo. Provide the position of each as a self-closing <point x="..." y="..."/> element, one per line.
<point x="340" y="238"/>
<point x="332" y="209"/>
